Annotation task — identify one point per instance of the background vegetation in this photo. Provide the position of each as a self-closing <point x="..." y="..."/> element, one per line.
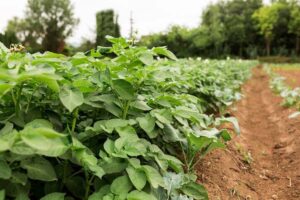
<point x="235" y="28"/>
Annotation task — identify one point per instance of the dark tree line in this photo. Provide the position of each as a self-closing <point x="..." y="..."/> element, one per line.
<point x="242" y="28"/>
<point x="48" y="23"/>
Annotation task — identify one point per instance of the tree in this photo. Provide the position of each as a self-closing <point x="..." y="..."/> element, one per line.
<point x="212" y="19"/>
<point x="46" y="25"/>
<point x="267" y="17"/>
<point x="294" y="24"/>
<point x="8" y="38"/>
<point x="107" y="24"/>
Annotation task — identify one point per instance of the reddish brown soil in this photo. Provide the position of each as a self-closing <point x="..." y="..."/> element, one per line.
<point x="269" y="138"/>
<point x="292" y="77"/>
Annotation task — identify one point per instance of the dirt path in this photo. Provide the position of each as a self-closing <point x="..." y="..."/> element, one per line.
<point x="264" y="162"/>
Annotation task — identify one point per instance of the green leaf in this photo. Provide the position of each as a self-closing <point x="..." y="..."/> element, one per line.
<point x="195" y="190"/>
<point x="113" y="165"/>
<point x="45" y="141"/>
<point x="232" y="120"/>
<point x="146" y="58"/>
<point x="141" y="105"/>
<point x="109" y="146"/>
<point x="147" y="123"/>
<point x="137" y="177"/>
<point x="123" y="131"/>
<point x="38" y="168"/>
<point x="121" y="185"/>
<point x="124" y="89"/>
<point x="140" y="195"/>
<point x="87" y="160"/>
<point x="5" y="171"/>
<point x="163" y="51"/>
<point x="18" y="177"/>
<point x="54" y="196"/>
<point x="71" y="98"/>
<point x="153" y="176"/>
<point x="39" y="123"/>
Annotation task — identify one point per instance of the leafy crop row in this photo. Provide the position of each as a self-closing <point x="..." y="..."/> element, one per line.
<point x="291" y="96"/>
<point x="114" y="124"/>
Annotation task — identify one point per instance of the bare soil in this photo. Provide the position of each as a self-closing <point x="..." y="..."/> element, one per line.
<point x="263" y="163"/>
<point x="292" y="76"/>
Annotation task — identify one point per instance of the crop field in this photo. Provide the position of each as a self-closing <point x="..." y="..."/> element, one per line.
<point x="127" y="122"/>
<point x="114" y="124"/>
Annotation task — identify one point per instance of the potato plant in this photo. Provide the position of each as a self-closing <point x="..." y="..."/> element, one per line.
<point x="114" y="123"/>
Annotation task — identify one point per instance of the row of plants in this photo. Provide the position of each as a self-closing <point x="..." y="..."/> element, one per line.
<point x="118" y="122"/>
<point x="291" y="96"/>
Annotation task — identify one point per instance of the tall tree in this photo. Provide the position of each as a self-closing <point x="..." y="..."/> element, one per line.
<point x="294" y="24"/>
<point x="212" y="19"/>
<point x="107" y="24"/>
<point x="46" y="25"/>
<point x="267" y="17"/>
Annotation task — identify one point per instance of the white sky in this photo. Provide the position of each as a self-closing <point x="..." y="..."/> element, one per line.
<point x="149" y="15"/>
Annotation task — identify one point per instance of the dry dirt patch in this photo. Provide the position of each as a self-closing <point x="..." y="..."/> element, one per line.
<point x="264" y="162"/>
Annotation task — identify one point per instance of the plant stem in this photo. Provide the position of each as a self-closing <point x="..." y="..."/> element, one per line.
<point x="184" y="157"/>
<point x="87" y="187"/>
<point x="75" y="115"/>
<point x="125" y="110"/>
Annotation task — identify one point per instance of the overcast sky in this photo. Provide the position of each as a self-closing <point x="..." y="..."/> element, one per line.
<point x="149" y="15"/>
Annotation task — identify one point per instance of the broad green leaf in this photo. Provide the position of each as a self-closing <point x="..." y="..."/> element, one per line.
<point x="121" y="185"/>
<point x="89" y="161"/>
<point x="38" y="168"/>
<point x="124" y="89"/>
<point x="147" y="123"/>
<point x="140" y="195"/>
<point x="232" y="120"/>
<point x="6" y="129"/>
<point x="153" y="176"/>
<point x="195" y="190"/>
<point x="163" y="51"/>
<point x="123" y="131"/>
<point x="18" y="177"/>
<point x="146" y="58"/>
<point x="45" y="141"/>
<point x="71" y="98"/>
<point x="109" y="146"/>
<point x="141" y="105"/>
<point x="39" y="123"/>
<point x="54" y="196"/>
<point x="113" y="165"/>
<point x="5" y="171"/>
<point x="137" y="177"/>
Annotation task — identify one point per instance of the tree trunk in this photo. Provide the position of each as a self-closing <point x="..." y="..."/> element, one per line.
<point x="297" y="45"/>
<point x="268" y="46"/>
<point x="241" y="51"/>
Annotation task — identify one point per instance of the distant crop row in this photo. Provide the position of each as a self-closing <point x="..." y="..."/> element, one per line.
<point x="291" y="96"/>
<point x="114" y="124"/>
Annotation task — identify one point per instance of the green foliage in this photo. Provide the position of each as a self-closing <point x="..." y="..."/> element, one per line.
<point x="291" y="96"/>
<point x="99" y="126"/>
